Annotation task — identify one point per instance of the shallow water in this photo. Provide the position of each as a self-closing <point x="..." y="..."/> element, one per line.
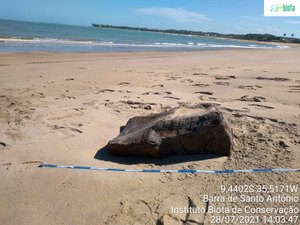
<point x="20" y="36"/>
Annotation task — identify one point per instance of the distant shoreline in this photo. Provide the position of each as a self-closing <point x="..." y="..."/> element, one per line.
<point x="52" y="37"/>
<point x="266" y="38"/>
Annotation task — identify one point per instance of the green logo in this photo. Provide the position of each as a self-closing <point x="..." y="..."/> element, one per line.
<point x="283" y="7"/>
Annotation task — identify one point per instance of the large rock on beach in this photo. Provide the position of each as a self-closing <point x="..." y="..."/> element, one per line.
<point x="183" y="130"/>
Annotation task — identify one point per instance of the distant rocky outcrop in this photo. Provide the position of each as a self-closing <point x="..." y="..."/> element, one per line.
<point x="182" y="130"/>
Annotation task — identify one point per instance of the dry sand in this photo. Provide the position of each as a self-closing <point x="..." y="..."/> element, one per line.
<point x="63" y="108"/>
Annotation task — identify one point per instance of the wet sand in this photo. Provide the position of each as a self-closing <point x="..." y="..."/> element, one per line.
<point x="63" y="108"/>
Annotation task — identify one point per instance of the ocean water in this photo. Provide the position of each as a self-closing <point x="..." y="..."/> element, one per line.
<point x="20" y="36"/>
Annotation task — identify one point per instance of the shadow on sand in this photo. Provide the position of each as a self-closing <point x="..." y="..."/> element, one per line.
<point x="105" y="155"/>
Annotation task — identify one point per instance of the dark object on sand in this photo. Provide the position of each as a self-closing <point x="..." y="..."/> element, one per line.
<point x="273" y="78"/>
<point x="247" y="98"/>
<point x="182" y="130"/>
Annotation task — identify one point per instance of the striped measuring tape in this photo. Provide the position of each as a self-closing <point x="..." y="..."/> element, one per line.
<point x="276" y="170"/>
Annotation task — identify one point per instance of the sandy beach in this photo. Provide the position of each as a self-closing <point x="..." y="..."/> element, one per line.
<point x="63" y="108"/>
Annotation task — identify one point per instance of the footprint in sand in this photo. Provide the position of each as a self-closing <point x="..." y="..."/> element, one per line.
<point x="293" y="72"/>
<point x="223" y="83"/>
<point x="171" y="97"/>
<point x="124" y="105"/>
<point x="33" y="162"/>
<point x="126" y="91"/>
<point x="250" y="87"/>
<point x="272" y="78"/>
<point x="41" y="95"/>
<point x="204" y="92"/>
<point x="247" y="98"/>
<point x="206" y="98"/>
<point x="65" y="130"/>
<point x="104" y="91"/>
<point x="56" y="127"/>
<point x="200" y="85"/>
<point x="151" y="92"/>
<point x="187" y="81"/>
<point x="165" y="204"/>
<point x="79" y="109"/>
<point x="262" y="106"/>
<point x="75" y="130"/>
<point x="200" y="74"/>
<point x="3" y="144"/>
<point x="157" y="93"/>
<point x="225" y="77"/>
<point x="236" y="110"/>
<point x="66" y="185"/>
<point x="138" y="211"/>
<point x="157" y="85"/>
<point x="294" y="88"/>
<point x="6" y="165"/>
<point x="166" y="178"/>
<point x="174" y="78"/>
<point x="123" y="83"/>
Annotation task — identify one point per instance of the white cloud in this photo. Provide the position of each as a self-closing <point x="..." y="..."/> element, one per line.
<point x="293" y="21"/>
<point x="175" y="14"/>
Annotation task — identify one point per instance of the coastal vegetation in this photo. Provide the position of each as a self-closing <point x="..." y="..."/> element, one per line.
<point x="250" y="37"/>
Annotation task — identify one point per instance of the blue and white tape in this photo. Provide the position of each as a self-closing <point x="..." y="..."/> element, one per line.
<point x="276" y="170"/>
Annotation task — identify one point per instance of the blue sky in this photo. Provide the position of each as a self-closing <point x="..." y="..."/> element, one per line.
<point x="224" y="16"/>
